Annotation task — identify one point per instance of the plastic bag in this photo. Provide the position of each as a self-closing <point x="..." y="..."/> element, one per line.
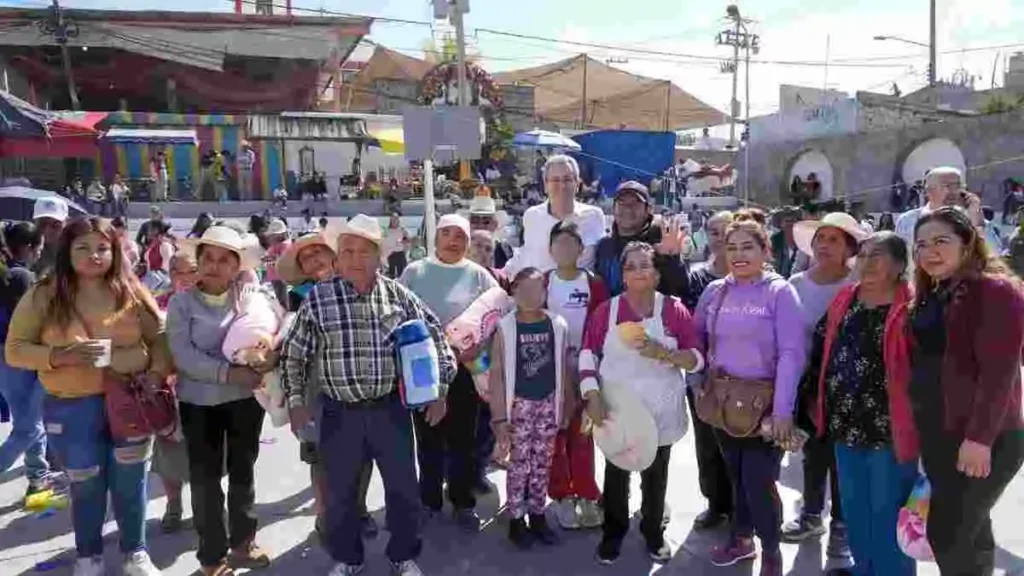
<point x="911" y="527"/>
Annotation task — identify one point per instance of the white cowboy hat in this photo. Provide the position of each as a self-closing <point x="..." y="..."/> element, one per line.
<point x="804" y="231"/>
<point x="288" y="264"/>
<point x="246" y="246"/>
<point x="628" y="437"/>
<point x="276" y="228"/>
<point x="483" y="205"/>
<point x="359" y="225"/>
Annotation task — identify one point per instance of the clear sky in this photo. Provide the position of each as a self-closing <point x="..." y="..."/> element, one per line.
<point x="840" y="31"/>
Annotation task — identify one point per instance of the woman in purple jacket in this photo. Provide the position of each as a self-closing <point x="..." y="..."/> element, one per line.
<point x="756" y="318"/>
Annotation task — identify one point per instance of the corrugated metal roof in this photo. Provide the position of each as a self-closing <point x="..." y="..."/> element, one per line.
<point x="294" y="126"/>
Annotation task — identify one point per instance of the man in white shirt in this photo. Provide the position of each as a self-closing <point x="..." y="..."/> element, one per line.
<point x="561" y="176"/>
<point x="943" y="186"/>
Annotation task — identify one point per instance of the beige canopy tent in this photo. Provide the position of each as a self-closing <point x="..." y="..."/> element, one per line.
<point x="581" y="92"/>
<point x="361" y="93"/>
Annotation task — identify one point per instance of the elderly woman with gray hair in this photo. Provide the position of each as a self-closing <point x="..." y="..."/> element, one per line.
<point x="858" y="350"/>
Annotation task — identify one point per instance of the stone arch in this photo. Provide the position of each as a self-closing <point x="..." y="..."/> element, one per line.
<point x="927" y="154"/>
<point x="806" y="162"/>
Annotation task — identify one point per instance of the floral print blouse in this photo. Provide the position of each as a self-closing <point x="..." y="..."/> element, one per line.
<point x="857" y="401"/>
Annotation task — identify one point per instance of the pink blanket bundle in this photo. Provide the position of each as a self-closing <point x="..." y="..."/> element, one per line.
<point x="254" y="333"/>
<point x="476" y="324"/>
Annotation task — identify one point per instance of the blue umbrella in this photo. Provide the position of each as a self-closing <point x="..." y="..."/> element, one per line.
<point x="544" y="139"/>
<point x="18" y="202"/>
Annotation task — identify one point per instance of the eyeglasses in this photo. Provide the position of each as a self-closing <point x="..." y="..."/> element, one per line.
<point x="637" y="267"/>
<point x="481" y="220"/>
<point x="563" y="180"/>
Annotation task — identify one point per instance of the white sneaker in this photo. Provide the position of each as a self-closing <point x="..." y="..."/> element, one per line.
<point x="341" y="569"/>
<point x="566" y="514"/>
<point x="591" y="515"/>
<point x="139" y="564"/>
<point x="89" y="566"/>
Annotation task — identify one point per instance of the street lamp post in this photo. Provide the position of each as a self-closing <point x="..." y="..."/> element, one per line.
<point x="931" y="53"/>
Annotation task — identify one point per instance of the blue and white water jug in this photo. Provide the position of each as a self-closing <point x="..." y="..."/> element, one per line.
<point x="421" y="373"/>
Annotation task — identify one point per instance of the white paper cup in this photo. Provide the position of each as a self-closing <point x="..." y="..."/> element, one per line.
<point x="104" y="360"/>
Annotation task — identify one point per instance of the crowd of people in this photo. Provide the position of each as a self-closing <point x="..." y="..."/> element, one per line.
<point x="882" y="356"/>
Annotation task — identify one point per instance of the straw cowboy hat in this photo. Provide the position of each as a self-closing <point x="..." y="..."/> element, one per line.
<point x="245" y="246"/>
<point x="804" y="231"/>
<point x="361" y="225"/>
<point x="288" y="264"/>
<point x="276" y="228"/>
<point x="628" y="437"/>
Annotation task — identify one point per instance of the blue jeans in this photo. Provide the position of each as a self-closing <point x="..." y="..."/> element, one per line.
<point x="97" y="465"/>
<point x="24" y="396"/>
<point x="874" y="486"/>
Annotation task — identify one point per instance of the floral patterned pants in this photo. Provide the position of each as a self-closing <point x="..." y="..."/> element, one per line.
<point x="532" y="429"/>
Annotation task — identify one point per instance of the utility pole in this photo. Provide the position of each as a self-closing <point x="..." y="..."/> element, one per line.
<point x="932" y="71"/>
<point x="61" y="29"/>
<point x="583" y="106"/>
<point x="738" y="38"/>
<point x="457" y="9"/>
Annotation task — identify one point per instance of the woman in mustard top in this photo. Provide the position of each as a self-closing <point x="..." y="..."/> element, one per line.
<point x="92" y="292"/>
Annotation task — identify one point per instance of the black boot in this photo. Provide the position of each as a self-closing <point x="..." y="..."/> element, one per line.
<point x="519" y="534"/>
<point x="541" y="531"/>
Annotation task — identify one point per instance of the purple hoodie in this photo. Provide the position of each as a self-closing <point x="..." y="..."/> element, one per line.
<point x="760" y="334"/>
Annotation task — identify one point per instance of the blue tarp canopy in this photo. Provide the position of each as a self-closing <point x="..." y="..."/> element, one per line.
<point x="615" y="156"/>
<point x="19" y="119"/>
<point x="151" y="136"/>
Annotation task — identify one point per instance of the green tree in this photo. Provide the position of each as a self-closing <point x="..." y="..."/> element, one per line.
<point x="1001" y="104"/>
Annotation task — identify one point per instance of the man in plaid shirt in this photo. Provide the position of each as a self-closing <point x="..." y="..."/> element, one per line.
<point x="344" y="333"/>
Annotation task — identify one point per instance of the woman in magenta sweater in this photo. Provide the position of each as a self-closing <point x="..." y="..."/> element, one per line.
<point x="756" y="322"/>
<point x="967" y="329"/>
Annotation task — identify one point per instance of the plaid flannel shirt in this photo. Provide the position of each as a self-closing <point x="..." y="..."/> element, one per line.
<point x="348" y="340"/>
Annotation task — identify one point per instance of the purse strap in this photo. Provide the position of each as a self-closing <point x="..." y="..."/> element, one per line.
<point x="714" y="323"/>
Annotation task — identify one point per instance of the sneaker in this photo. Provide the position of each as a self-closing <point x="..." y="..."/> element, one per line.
<point x="341" y="569"/>
<point x="661" y="554"/>
<point x="805" y="527"/>
<point x="591" y="514"/>
<point x="467" y="520"/>
<point x="771" y="564"/>
<point x="171" y="522"/>
<point x="838" y="542"/>
<point x="709" y="520"/>
<point x="566" y="515"/>
<point x="519" y="533"/>
<point x="608" y="552"/>
<point x="736" y="551"/>
<point x="406" y="568"/>
<point x="89" y="566"/>
<point x="249" y="556"/>
<point x="369" y="527"/>
<point x="541" y="531"/>
<point x="139" y="564"/>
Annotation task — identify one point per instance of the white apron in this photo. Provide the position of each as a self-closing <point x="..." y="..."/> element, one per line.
<point x="661" y="387"/>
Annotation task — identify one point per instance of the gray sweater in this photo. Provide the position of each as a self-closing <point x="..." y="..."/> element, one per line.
<point x="195" y="333"/>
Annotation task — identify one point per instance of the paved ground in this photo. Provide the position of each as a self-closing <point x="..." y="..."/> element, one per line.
<point x="286" y="521"/>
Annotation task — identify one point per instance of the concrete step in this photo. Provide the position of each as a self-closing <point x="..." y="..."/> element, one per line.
<point x="244" y="209"/>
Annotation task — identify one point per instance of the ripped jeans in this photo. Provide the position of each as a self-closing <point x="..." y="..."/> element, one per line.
<point x="97" y="465"/>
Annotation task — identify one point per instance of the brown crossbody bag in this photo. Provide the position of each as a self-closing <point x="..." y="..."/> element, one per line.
<point x="734" y="405"/>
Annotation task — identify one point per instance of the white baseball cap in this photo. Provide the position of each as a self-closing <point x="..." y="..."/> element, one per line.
<point x="454" y="221"/>
<point x="50" y="207"/>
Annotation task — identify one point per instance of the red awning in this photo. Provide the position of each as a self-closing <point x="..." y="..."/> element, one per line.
<point x="72" y="135"/>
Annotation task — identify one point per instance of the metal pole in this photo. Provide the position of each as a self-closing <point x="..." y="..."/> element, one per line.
<point x="460" y="55"/>
<point x="60" y="35"/>
<point x="932" y="72"/>
<point x="460" y="51"/>
<point x="734" y="105"/>
<point x="429" y="222"/>
<point x="583" y="107"/>
<point x="746" y="114"/>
